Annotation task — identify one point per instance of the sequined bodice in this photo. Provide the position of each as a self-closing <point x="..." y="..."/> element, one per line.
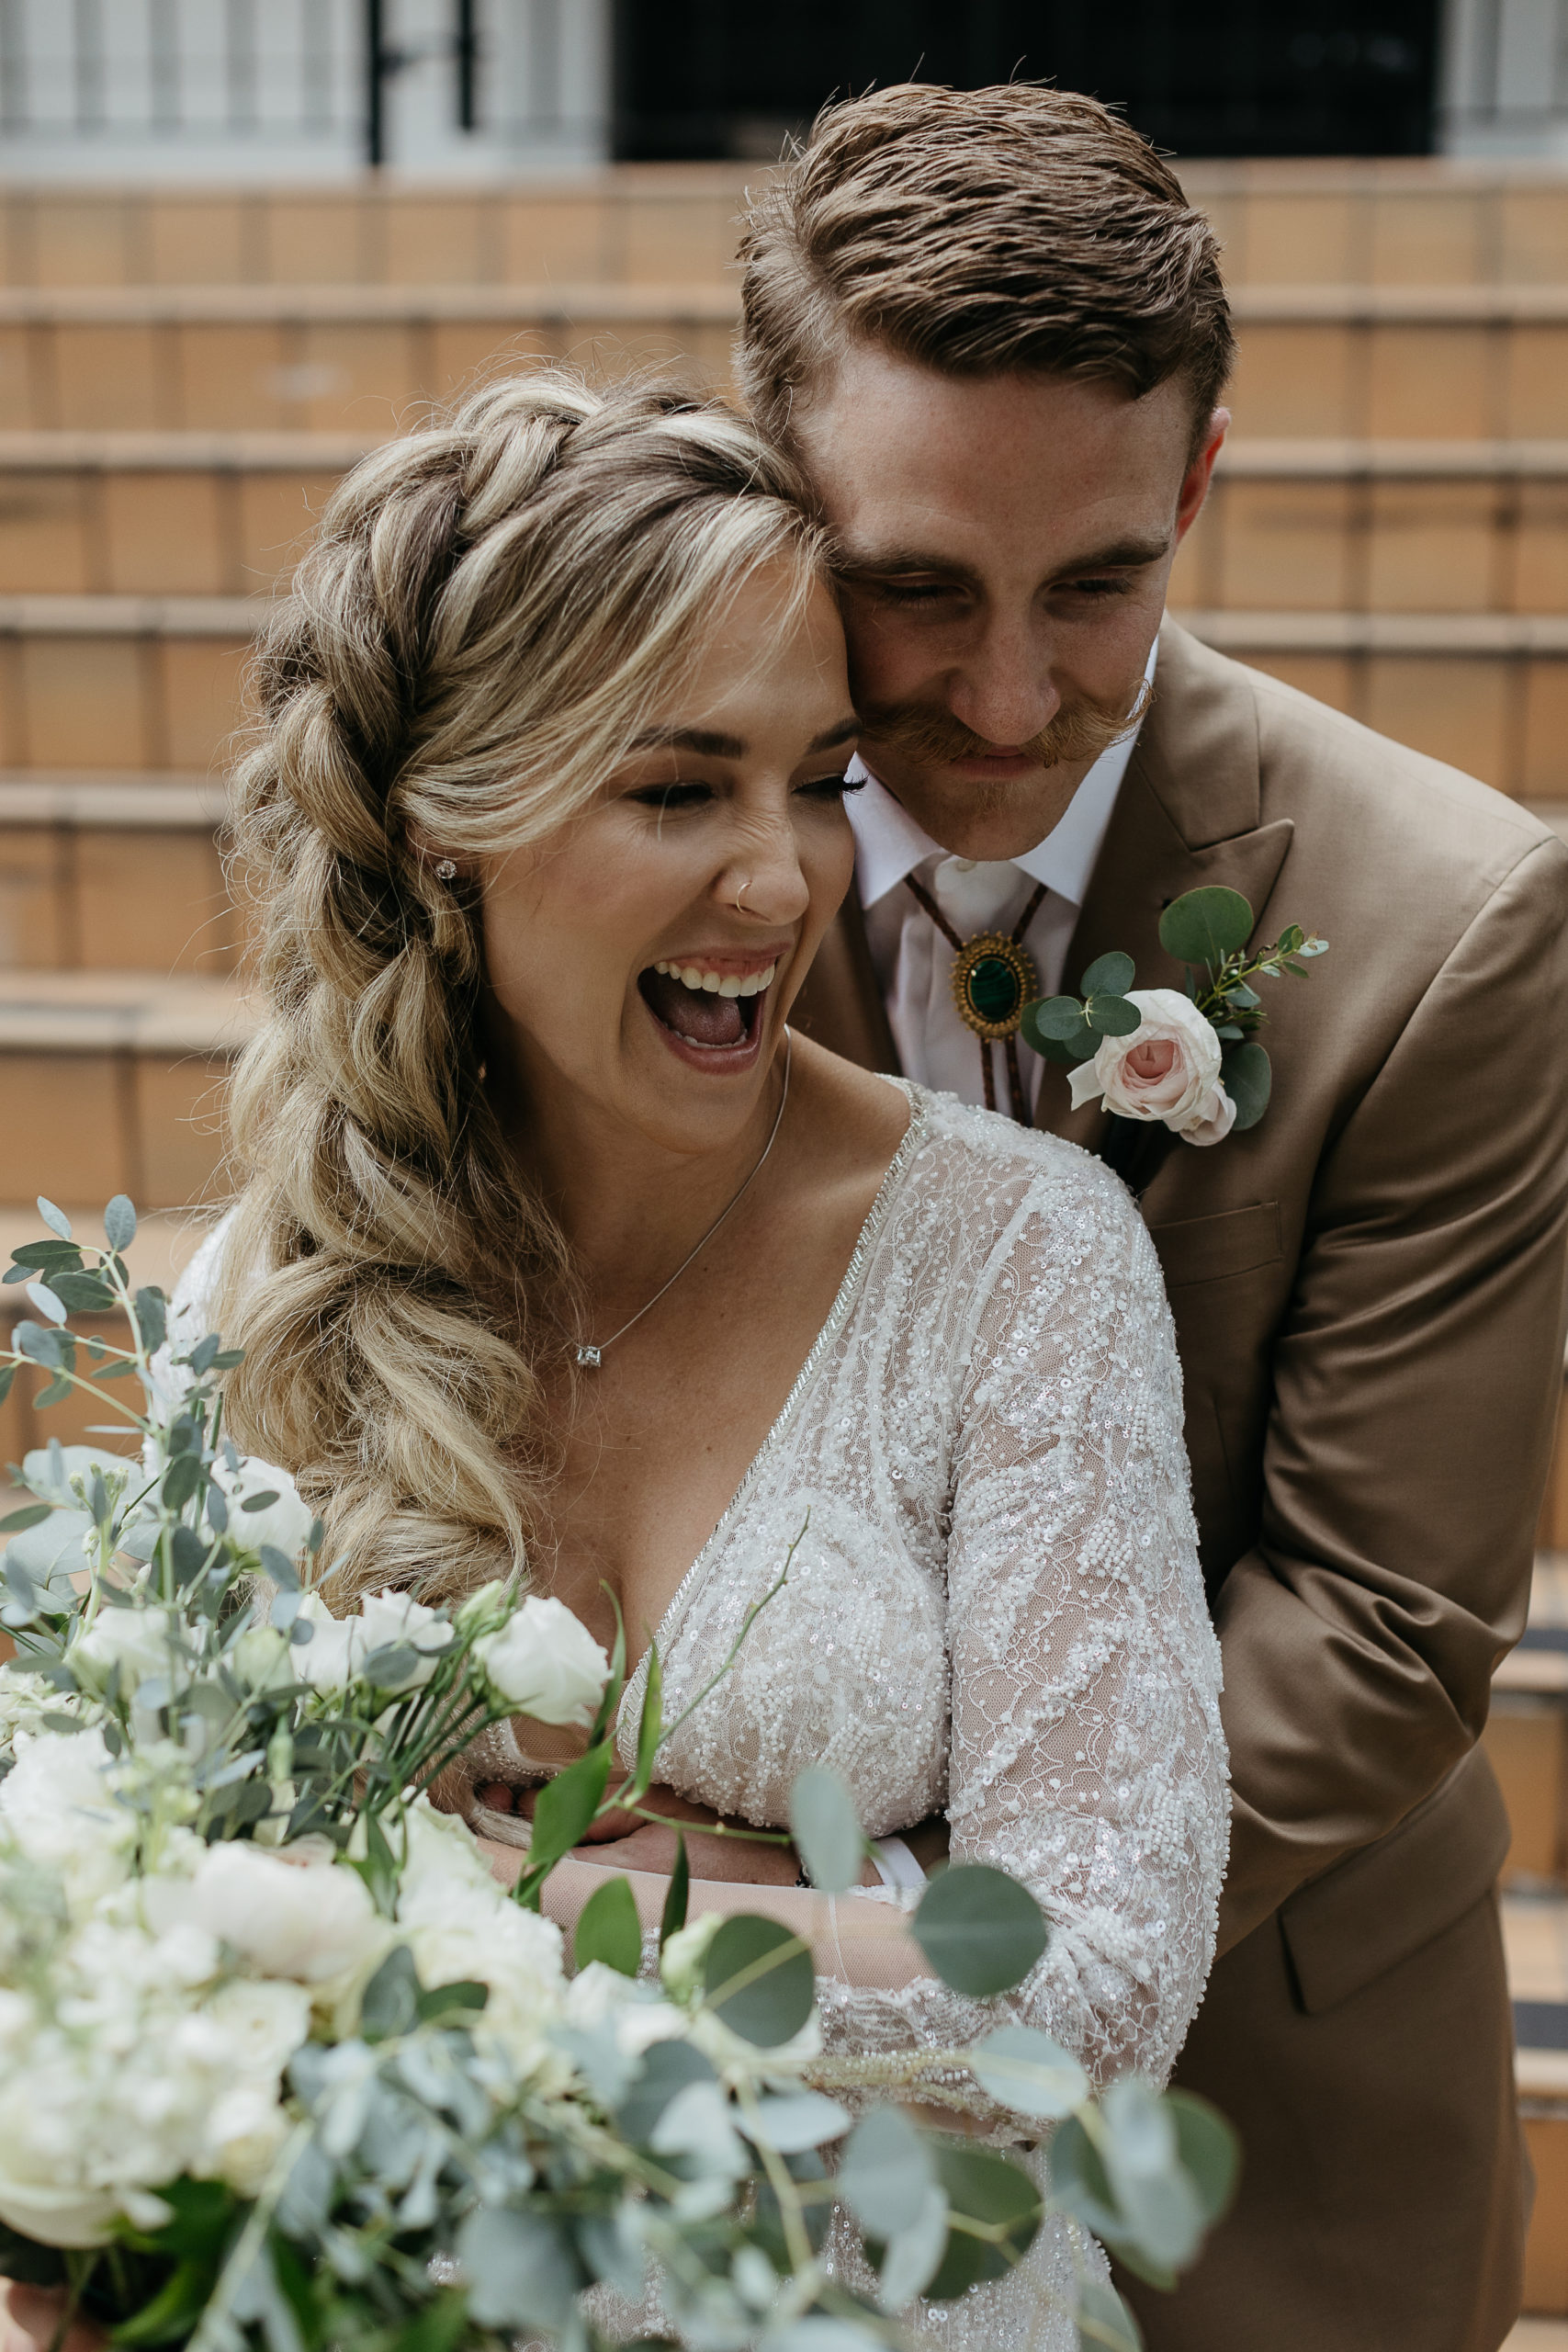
<point x="993" y="1602"/>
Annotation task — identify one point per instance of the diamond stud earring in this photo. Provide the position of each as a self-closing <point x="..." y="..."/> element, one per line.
<point x="447" y="870"/>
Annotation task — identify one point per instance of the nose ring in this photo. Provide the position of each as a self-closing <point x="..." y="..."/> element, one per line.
<point x="741" y="894"/>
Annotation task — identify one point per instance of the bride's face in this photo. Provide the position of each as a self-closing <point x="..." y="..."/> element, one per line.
<point x="642" y="960"/>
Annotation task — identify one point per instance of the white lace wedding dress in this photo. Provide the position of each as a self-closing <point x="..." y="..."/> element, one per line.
<point x="994" y="1608"/>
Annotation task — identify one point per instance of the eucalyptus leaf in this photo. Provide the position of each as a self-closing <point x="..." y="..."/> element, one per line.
<point x="1209" y="2150"/>
<point x="184" y="1478"/>
<point x="151" y="1318"/>
<point x="565" y="1806"/>
<point x="1112" y="1016"/>
<point x="1109" y="975"/>
<point x="56" y="1219"/>
<point x="1105" y="2325"/>
<point x="44" y="1345"/>
<point x="391" y="2002"/>
<point x="31" y="1515"/>
<point x="911" y="2259"/>
<point x="522" y="2270"/>
<point x="81" y="1294"/>
<point x="1057" y="1017"/>
<point x="668" y="2067"/>
<point x="1205" y="926"/>
<point x="1247" y="1077"/>
<point x="981" y="1931"/>
<point x="1247" y="999"/>
<point x="759" y="1979"/>
<point x="1029" y="2072"/>
<point x="888" y="2173"/>
<point x="827" y="1830"/>
<point x="609" y="1930"/>
<point x="985" y="2188"/>
<point x="796" y="2120"/>
<point x="1162" y="2215"/>
<point x="120" y="1223"/>
<point x="673" y="1917"/>
<point x="650" y="1723"/>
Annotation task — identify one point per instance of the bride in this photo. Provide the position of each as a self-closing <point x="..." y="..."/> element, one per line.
<point x="555" y="1247"/>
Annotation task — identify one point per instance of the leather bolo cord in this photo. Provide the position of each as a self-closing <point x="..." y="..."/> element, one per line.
<point x="1015" y="1080"/>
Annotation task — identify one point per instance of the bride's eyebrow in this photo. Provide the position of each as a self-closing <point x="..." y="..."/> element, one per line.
<point x="705" y="741"/>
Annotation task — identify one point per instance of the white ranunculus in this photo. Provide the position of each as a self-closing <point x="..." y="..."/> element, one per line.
<point x="1167" y="1069"/>
<point x="547" y="1663"/>
<point x="285" y="1524"/>
<point x="393" y="1620"/>
<point x="136" y="1640"/>
<point x="598" y="1995"/>
<point x="306" y="1923"/>
<point x="262" y="1658"/>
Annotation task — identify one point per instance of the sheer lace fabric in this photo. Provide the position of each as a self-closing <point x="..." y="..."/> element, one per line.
<point x="993" y="1606"/>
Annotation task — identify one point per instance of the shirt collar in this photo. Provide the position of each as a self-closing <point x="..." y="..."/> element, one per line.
<point x="889" y="844"/>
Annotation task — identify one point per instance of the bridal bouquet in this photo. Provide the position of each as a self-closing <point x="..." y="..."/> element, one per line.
<point x="1189" y="1059"/>
<point x="282" y="2066"/>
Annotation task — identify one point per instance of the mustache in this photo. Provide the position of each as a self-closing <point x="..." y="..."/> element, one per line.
<point x="1080" y="730"/>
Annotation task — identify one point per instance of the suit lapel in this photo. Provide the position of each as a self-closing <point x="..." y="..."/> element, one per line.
<point x="1187" y="814"/>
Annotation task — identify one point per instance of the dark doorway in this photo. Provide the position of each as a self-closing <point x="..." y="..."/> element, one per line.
<point x="713" y="78"/>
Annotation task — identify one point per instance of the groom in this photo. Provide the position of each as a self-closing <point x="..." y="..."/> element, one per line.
<point x="995" y="334"/>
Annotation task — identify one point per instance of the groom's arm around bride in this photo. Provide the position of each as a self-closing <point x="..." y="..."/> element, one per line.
<point x="995" y="333"/>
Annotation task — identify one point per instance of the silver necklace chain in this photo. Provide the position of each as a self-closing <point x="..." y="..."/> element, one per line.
<point x="590" y="1357"/>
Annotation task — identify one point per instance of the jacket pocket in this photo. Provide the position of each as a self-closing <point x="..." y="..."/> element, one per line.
<point x="1206" y="1248"/>
<point x="1378" y="1906"/>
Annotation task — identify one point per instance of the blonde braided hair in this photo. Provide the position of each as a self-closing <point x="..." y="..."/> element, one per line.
<point x="491" y="609"/>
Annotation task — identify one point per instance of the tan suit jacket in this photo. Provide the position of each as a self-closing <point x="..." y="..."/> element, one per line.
<point x="1369" y="1294"/>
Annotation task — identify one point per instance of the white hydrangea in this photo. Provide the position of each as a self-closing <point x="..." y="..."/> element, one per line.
<point x="462" y="1928"/>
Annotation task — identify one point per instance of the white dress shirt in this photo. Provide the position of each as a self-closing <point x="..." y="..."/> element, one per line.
<point x="913" y="961"/>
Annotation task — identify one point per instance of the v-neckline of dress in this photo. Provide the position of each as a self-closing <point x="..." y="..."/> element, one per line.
<point x="630" y="1708"/>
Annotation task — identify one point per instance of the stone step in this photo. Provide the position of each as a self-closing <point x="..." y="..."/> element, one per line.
<point x="154" y="683"/>
<point x="1474" y="362"/>
<point x="1384" y="221"/>
<point x="339" y="357"/>
<point x="116" y="873"/>
<point x="1376" y="525"/>
<point x="111" y="1083"/>
<point x="1334" y="524"/>
<point x="160" y="513"/>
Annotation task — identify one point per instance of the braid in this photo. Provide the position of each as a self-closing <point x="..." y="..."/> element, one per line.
<point x="474" y="636"/>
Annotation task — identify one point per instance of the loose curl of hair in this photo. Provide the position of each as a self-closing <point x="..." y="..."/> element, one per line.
<point x="491" y="610"/>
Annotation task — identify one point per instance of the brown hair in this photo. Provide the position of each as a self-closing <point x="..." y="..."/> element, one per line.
<point x="491" y="609"/>
<point x="976" y="232"/>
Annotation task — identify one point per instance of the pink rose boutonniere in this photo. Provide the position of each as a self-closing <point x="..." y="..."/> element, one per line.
<point x="1190" y="1060"/>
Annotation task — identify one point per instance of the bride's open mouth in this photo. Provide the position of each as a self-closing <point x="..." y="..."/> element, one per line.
<point x="711" y="1017"/>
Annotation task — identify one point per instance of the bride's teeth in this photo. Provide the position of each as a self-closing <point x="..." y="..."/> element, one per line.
<point x="690" y="977"/>
<point x="731" y="987"/>
<point x="712" y="983"/>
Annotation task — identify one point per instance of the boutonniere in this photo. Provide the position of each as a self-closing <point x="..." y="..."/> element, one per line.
<point x="1191" y="1061"/>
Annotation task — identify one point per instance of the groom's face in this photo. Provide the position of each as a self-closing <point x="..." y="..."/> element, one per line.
<point x="1006" y="541"/>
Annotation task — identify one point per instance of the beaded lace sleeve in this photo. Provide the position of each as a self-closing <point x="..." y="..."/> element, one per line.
<point x="1087" y="1756"/>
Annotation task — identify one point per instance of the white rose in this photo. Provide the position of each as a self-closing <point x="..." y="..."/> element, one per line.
<point x="262" y="1658"/>
<point x="285" y="1523"/>
<point x="547" y="1663"/>
<point x="136" y="1640"/>
<point x="331" y="1658"/>
<point x="306" y="1923"/>
<point x="1168" y="1070"/>
<point x="391" y="1620"/>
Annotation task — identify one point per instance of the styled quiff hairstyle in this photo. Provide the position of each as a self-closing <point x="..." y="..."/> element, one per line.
<point x="492" y="611"/>
<point x="977" y="231"/>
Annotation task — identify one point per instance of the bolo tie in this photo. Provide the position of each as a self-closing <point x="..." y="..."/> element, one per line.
<point x="993" y="980"/>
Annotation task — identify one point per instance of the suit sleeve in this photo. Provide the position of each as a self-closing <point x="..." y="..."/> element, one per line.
<point x="1415" y="1382"/>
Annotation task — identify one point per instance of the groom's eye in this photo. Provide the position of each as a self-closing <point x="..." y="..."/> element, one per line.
<point x="832" y="787"/>
<point x="1115" y="583"/>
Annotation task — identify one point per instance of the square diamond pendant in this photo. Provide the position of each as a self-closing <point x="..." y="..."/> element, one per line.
<point x="589" y="1357"/>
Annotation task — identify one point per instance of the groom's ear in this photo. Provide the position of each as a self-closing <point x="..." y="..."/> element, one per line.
<point x="1200" y="471"/>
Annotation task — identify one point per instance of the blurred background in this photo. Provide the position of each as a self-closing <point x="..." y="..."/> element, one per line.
<point x="241" y="240"/>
